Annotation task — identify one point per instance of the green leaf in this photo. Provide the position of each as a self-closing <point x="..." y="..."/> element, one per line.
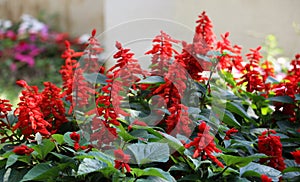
<point x="282" y="99"/>
<point x="11" y="160"/>
<point x="124" y="134"/>
<point x="152" y="80"/>
<point x="58" y="138"/>
<point x="239" y="161"/>
<point x="41" y="172"/>
<point x="44" y="148"/>
<point x="147" y="172"/>
<point x="255" y="169"/>
<point x="17" y="174"/>
<point x="230" y="120"/>
<point x="237" y="109"/>
<point x="95" y="78"/>
<point x="291" y="169"/>
<point x="90" y="165"/>
<point x="151" y="152"/>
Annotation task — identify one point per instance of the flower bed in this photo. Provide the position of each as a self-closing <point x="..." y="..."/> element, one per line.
<point x="171" y="123"/>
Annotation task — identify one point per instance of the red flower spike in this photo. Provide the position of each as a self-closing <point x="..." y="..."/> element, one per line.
<point x="93" y="32"/>
<point x="265" y="178"/>
<point x="296" y="155"/>
<point x="229" y="61"/>
<point x="272" y="147"/>
<point x="252" y="76"/>
<point x="30" y="117"/>
<point x="204" y="145"/>
<point x="121" y="160"/>
<point x="22" y="150"/>
<point x="5" y="107"/>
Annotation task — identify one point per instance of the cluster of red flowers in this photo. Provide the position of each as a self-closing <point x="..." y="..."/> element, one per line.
<point x="296" y="155"/>
<point x="76" y="90"/>
<point x="39" y="112"/>
<point x="162" y="53"/>
<point x="231" y="55"/>
<point x="121" y="160"/>
<point x="272" y="147"/>
<point x="289" y="87"/>
<point x="204" y="145"/>
<point x="251" y="75"/>
<point x="22" y="150"/>
<point x="5" y="107"/>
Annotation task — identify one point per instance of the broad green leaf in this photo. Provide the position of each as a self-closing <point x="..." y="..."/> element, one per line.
<point x="95" y="78"/>
<point x="44" y="148"/>
<point x="282" y="99"/>
<point x="58" y="138"/>
<point x="152" y="80"/>
<point x="230" y="120"/>
<point x="90" y="165"/>
<point x="11" y="160"/>
<point x="291" y="169"/>
<point x="147" y="172"/>
<point x="124" y="134"/>
<point x="239" y="161"/>
<point x="254" y="169"/>
<point x="17" y="174"/>
<point x="41" y="172"/>
<point x="150" y="152"/>
<point x="237" y="109"/>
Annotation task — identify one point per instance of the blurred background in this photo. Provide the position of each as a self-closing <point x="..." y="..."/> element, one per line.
<point x="273" y="23"/>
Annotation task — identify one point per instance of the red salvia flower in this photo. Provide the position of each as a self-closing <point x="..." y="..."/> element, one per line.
<point x="229" y="132"/>
<point x="121" y="160"/>
<point x="162" y="53"/>
<point x="102" y="133"/>
<point x="52" y="106"/>
<point x="203" y="30"/>
<point x="272" y="147"/>
<point x="296" y="155"/>
<point x="76" y="138"/>
<point x="252" y="76"/>
<point x="30" y="117"/>
<point x="290" y="88"/>
<point x="265" y="178"/>
<point x="230" y="60"/>
<point x="204" y="145"/>
<point x="22" y="150"/>
<point x="91" y="55"/>
<point x="5" y="107"/>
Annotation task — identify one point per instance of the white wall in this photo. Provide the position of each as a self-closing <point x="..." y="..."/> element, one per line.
<point x="248" y="21"/>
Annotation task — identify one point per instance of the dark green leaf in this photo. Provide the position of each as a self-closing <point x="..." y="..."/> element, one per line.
<point x="252" y="169"/>
<point x="151" y="152"/>
<point x="282" y="99"/>
<point x="90" y="165"/>
<point x="152" y="80"/>
<point x="41" y="172"/>
<point x="44" y="148"/>
<point x="230" y="120"/>
<point x="239" y="161"/>
<point x="239" y="110"/>
<point x="11" y="160"/>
